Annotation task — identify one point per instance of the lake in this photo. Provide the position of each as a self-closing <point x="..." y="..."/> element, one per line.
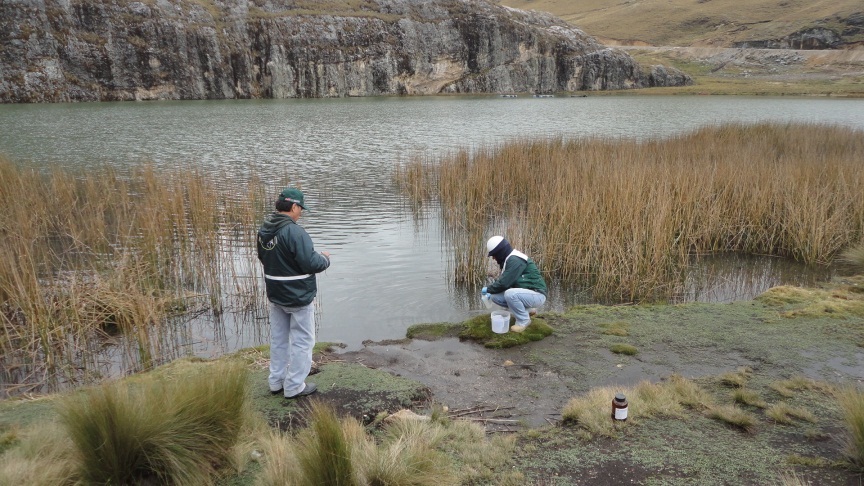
<point x="389" y="267"/>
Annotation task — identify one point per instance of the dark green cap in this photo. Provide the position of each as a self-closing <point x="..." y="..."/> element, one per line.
<point x="292" y="195"/>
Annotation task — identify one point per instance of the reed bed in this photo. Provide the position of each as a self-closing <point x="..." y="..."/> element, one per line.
<point x="626" y="217"/>
<point x="83" y="256"/>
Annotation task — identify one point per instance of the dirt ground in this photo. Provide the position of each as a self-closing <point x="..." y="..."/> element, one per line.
<point x="787" y="334"/>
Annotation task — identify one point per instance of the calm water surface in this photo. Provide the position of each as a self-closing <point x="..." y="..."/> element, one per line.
<point x="389" y="268"/>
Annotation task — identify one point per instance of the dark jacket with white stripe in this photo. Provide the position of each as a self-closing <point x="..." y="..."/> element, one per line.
<point x="290" y="261"/>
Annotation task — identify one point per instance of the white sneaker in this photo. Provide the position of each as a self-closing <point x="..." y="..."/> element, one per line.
<point x="517" y="328"/>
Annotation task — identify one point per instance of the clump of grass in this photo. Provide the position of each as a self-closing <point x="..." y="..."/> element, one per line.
<point x="41" y="456"/>
<point x="414" y="451"/>
<point x="689" y="393"/>
<point x="854" y="256"/>
<point x="734" y="416"/>
<point x="170" y="432"/>
<point x="324" y="452"/>
<point x="8" y="437"/>
<point x="783" y="413"/>
<point x="792" y="478"/>
<point x="841" y="302"/>
<point x="799" y="460"/>
<point x="787" y="388"/>
<point x="480" y="329"/>
<point x="626" y="349"/>
<point x="478" y="458"/>
<point x="736" y="379"/>
<point x="748" y="397"/>
<point x="785" y="295"/>
<point x="852" y="404"/>
<point x="592" y="413"/>
<point x="616" y="328"/>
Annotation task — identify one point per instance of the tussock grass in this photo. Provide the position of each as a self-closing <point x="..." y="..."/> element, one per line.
<point x="177" y="432"/>
<point x="689" y="393"/>
<point x="108" y="252"/>
<point x="841" y="301"/>
<point x="408" y="451"/>
<point x="792" y="478"/>
<point x="41" y="458"/>
<point x="626" y="217"/>
<point x="783" y="413"/>
<point x="798" y="383"/>
<point x="736" y="379"/>
<point x="854" y="256"/>
<point x="748" y="397"/>
<point x="592" y="413"/>
<point x="734" y="416"/>
<point x="852" y="404"/>
<point x="324" y="450"/>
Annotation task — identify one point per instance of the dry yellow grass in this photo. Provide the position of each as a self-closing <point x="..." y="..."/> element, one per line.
<point x="82" y="255"/>
<point x="591" y="412"/>
<point x="625" y="216"/>
<point x="690" y="22"/>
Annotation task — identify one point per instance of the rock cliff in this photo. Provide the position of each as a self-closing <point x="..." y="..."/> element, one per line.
<point x="94" y="50"/>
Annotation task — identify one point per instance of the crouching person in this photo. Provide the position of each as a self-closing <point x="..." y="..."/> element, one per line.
<point x="520" y="288"/>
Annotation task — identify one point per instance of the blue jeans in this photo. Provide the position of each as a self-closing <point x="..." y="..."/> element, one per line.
<point x="292" y="337"/>
<point x="519" y="301"/>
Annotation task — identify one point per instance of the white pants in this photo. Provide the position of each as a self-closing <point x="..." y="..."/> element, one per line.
<point x="292" y="337"/>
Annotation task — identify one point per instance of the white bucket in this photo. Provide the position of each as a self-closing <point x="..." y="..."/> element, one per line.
<point x="500" y="322"/>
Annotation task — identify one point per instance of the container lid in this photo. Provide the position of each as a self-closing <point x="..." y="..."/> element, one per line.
<point x="620" y="397"/>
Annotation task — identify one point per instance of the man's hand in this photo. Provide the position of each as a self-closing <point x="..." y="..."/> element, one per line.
<point x="326" y="254"/>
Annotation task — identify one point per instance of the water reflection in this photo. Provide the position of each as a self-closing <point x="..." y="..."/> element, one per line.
<point x="732" y="277"/>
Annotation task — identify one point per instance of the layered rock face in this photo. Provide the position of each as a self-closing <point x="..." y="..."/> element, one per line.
<point x="92" y="50"/>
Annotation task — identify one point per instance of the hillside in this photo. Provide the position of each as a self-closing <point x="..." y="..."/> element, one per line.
<point x="798" y="24"/>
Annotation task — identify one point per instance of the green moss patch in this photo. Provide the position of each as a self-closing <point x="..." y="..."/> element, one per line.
<point x="431" y="332"/>
<point x="618" y="328"/>
<point x="480" y="329"/>
<point x="624" y="349"/>
<point x="351" y="389"/>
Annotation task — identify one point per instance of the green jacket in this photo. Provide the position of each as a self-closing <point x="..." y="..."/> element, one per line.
<point x="519" y="272"/>
<point x="290" y="261"/>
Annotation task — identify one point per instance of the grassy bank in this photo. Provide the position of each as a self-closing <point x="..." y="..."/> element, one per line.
<point x="746" y="393"/>
<point x="85" y="256"/>
<point x="625" y="216"/>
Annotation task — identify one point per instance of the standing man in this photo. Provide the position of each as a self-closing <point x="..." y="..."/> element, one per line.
<point x="290" y="264"/>
<point x="520" y="287"/>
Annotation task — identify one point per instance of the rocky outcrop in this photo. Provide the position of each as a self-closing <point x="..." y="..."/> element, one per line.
<point x="811" y="38"/>
<point x="93" y="50"/>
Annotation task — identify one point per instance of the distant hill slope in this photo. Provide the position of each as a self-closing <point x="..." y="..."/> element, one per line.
<point x="798" y="24"/>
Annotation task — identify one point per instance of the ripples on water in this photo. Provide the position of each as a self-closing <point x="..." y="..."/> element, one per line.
<point x="389" y="265"/>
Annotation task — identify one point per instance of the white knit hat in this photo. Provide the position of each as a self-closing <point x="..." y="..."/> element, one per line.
<point x="493" y="242"/>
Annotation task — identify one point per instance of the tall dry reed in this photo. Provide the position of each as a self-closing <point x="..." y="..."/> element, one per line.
<point x="82" y="255"/>
<point x="626" y="216"/>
